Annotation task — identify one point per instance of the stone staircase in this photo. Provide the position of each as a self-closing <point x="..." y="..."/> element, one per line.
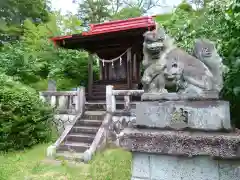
<point x="83" y="132"/>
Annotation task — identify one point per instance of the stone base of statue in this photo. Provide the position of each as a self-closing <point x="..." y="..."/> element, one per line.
<point x="179" y="137"/>
<point x="185" y="135"/>
<point x="174" y="111"/>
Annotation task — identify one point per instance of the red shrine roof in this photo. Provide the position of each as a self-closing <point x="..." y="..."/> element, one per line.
<point x="106" y="31"/>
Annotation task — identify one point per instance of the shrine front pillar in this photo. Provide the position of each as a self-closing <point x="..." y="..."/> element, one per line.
<point x="129" y="68"/>
<point x="90" y="74"/>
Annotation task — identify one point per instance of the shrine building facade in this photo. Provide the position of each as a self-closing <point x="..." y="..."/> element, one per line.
<point x="118" y="45"/>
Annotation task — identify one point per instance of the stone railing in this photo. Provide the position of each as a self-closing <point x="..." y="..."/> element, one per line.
<point x="67" y="105"/>
<point x="122" y="118"/>
<point x="65" y="102"/>
<point x="111" y="98"/>
<point x="65" y="122"/>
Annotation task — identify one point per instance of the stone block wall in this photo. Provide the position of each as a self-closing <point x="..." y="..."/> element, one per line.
<point x="162" y="167"/>
<point x="62" y="121"/>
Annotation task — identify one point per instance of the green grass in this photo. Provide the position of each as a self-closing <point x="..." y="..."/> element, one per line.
<point x="112" y="164"/>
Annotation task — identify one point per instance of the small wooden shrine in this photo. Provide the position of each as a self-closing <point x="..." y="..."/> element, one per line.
<point x="118" y="44"/>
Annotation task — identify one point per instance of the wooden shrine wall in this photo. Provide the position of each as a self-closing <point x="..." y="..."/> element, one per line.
<point x="120" y="71"/>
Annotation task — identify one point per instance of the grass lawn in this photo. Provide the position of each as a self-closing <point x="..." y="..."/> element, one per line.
<point x="112" y="164"/>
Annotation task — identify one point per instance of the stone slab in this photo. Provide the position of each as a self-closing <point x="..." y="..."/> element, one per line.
<point x="203" y="115"/>
<point x="176" y="168"/>
<point x="229" y="170"/>
<point x="181" y="143"/>
<point x="141" y="166"/>
<point x="205" y="95"/>
<point x="163" y="167"/>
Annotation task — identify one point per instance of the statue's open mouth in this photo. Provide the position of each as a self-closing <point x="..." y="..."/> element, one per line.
<point x="169" y="76"/>
<point x="155" y="46"/>
<point x="155" y="49"/>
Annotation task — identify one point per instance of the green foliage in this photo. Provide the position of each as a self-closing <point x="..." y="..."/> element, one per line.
<point x="162" y="18"/>
<point x="25" y="119"/>
<point x="185" y="6"/>
<point x="34" y="58"/>
<point x="14" y="12"/>
<point x="40" y="85"/>
<point x="127" y="12"/>
<point x="112" y="164"/>
<point x="64" y="24"/>
<point x="71" y="66"/>
<point x="91" y="11"/>
<point x="16" y="62"/>
<point x="219" y="21"/>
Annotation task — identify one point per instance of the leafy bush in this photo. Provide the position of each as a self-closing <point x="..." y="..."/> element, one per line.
<point x="219" y="21"/>
<point x="24" y="118"/>
<point x="17" y="62"/>
<point x="34" y="58"/>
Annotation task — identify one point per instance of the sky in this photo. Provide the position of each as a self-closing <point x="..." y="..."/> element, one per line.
<point x="68" y="6"/>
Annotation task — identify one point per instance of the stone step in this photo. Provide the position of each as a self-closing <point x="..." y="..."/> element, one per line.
<point x="103" y="88"/>
<point x="73" y="147"/>
<point x="99" y="93"/>
<point x="116" y="86"/>
<point x="91" y="122"/>
<point x="103" y="97"/>
<point x="99" y="106"/>
<point x="80" y="137"/>
<point x="94" y="115"/>
<point x="95" y="106"/>
<point x="96" y="97"/>
<point x="66" y="155"/>
<point x="97" y="89"/>
<point x="85" y="129"/>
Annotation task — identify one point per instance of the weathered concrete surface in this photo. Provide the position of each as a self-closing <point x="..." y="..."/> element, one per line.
<point x="181" y="143"/>
<point x="203" y="115"/>
<point x="205" y="95"/>
<point x="229" y="170"/>
<point x="162" y="167"/>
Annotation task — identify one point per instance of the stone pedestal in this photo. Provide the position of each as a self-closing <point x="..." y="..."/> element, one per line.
<point x="182" y="155"/>
<point x="202" y="115"/>
<point x="162" y="167"/>
<point x="182" y="138"/>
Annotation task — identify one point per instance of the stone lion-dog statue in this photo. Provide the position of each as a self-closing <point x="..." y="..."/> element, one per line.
<point x="167" y="65"/>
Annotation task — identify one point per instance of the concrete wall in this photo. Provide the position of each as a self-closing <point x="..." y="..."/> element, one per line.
<point x="162" y="167"/>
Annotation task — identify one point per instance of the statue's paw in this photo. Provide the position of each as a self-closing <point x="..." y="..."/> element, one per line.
<point x="163" y="90"/>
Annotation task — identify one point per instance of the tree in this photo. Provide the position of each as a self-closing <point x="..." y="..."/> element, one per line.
<point x="91" y="11"/>
<point x="127" y="12"/>
<point x="13" y="13"/>
<point x="199" y="3"/>
<point x="184" y="5"/>
<point x="34" y="58"/>
<point x="145" y="5"/>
